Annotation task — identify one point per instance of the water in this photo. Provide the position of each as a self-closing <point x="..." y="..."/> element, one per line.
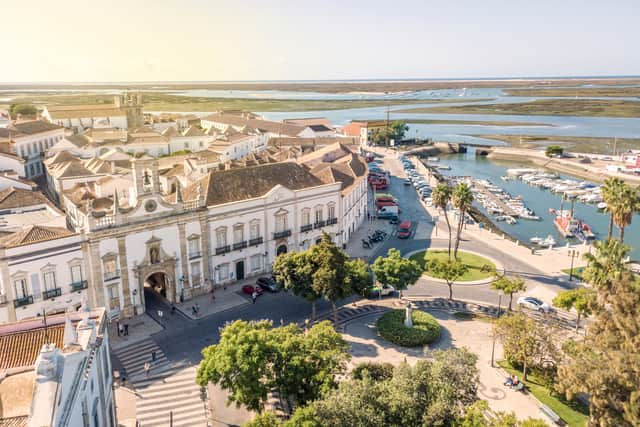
<point x="538" y="199"/>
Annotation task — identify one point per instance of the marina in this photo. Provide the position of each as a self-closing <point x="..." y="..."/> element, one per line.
<point x="583" y="191"/>
<point x="538" y="199"/>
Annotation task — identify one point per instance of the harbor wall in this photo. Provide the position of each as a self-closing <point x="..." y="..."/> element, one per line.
<point x="586" y="171"/>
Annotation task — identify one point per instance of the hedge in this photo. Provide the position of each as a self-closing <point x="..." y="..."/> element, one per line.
<point x="426" y="328"/>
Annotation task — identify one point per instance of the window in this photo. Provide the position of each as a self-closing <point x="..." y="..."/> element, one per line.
<point x="186" y="145"/>
<point x="201" y="144"/>
<point x="254" y="229"/>
<point x="194" y="245"/>
<point x="223" y="272"/>
<point x="195" y="273"/>
<point x="256" y="262"/>
<point x="332" y="211"/>
<point x="221" y="237"/>
<point x="76" y="273"/>
<point x="110" y="265"/>
<point x="29" y="149"/>
<point x="306" y="217"/>
<point x="49" y="280"/>
<point x="112" y="291"/>
<point x="281" y="223"/>
<point x="238" y="233"/>
<point x="40" y="146"/>
<point x="318" y="214"/>
<point x="21" y="288"/>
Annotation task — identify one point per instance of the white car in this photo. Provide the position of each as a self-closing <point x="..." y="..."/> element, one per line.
<point x="533" y="304"/>
<point x="382" y="291"/>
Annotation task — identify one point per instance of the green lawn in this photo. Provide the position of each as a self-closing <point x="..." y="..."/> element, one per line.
<point x="475" y="263"/>
<point x="577" y="272"/>
<point x="575" y="414"/>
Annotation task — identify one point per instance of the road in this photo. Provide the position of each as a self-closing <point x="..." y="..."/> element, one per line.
<point x="183" y="339"/>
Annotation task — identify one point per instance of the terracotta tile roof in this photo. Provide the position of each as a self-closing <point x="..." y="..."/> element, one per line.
<point x="58" y="112"/>
<point x="14" y="421"/>
<point x="170" y="131"/>
<point x="18" y="198"/>
<point x="250" y="182"/>
<point x="261" y="125"/>
<point x="193" y="131"/>
<point x="34" y="234"/>
<point x="78" y="140"/>
<point x="21" y="349"/>
<point x="60" y="157"/>
<point x="32" y="127"/>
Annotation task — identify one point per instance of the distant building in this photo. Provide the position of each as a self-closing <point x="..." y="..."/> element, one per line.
<point x="57" y="373"/>
<point x="365" y="129"/>
<point x="124" y="113"/>
<point x="27" y="140"/>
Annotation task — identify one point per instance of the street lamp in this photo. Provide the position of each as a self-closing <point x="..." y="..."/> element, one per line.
<point x="493" y="344"/>
<point x="135" y="309"/>
<point x="572" y="254"/>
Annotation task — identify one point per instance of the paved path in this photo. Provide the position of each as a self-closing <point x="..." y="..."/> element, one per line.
<point x="166" y="391"/>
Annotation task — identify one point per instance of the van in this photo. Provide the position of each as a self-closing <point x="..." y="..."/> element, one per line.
<point x="388" y="212"/>
<point x="404" y="230"/>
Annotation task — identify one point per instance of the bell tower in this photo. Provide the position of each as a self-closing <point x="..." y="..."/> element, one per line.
<point x="131" y="105"/>
<point x="146" y="179"/>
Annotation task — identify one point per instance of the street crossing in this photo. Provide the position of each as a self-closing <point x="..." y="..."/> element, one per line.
<point x="167" y="395"/>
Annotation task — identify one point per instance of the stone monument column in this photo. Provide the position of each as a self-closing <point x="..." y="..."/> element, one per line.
<point x="127" y="307"/>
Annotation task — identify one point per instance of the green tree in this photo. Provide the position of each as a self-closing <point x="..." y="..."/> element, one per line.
<point x="553" y="150"/>
<point x="377" y="371"/>
<point x="430" y="393"/>
<point x="28" y="110"/>
<point x="253" y="358"/>
<point x="622" y="212"/>
<point x="304" y="416"/>
<point x="396" y="271"/>
<point x="239" y="363"/>
<point x="606" y="265"/>
<point x="330" y="278"/>
<point x="294" y="271"/>
<point x="359" y="278"/>
<point x="580" y="299"/>
<point x="526" y="342"/>
<point x="448" y="270"/>
<point x="480" y="415"/>
<point x="509" y="286"/>
<point x="266" y="419"/>
<point x="398" y="130"/>
<point x="441" y="197"/>
<point x="461" y="198"/>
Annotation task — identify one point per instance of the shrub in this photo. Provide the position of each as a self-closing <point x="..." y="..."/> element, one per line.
<point x="391" y="327"/>
<point x="376" y="371"/>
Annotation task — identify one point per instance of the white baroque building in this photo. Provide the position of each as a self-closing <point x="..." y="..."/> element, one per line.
<point x="127" y="236"/>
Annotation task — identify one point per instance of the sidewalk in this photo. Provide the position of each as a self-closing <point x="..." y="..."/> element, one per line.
<point x="140" y="327"/>
<point x="224" y="299"/>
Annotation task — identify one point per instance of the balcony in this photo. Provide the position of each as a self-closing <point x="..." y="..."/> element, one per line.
<point x="111" y="275"/>
<point x="195" y="254"/>
<point x="223" y="250"/>
<point x="282" y="234"/>
<point x="332" y="221"/>
<point x="78" y="286"/>
<point x="256" y="241"/>
<point x="240" y="245"/>
<point x="51" y="293"/>
<point x="306" y="228"/>
<point x="19" y="302"/>
<point x="319" y="224"/>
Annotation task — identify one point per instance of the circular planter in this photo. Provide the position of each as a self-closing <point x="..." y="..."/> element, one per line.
<point x="390" y="326"/>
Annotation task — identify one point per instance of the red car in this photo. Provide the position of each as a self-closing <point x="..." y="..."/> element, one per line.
<point x="250" y="289"/>
<point x="404" y="230"/>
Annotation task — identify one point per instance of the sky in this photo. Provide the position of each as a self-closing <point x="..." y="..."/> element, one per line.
<point x="210" y="40"/>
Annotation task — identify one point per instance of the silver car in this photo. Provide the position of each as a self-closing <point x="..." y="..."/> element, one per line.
<point x="533" y="304"/>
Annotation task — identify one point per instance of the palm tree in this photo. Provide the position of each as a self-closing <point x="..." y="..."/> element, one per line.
<point x="462" y="198"/>
<point x="611" y="193"/>
<point x="606" y="265"/>
<point x="628" y="204"/>
<point x="441" y="197"/>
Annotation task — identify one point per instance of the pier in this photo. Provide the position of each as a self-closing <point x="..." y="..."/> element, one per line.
<point x="494" y="201"/>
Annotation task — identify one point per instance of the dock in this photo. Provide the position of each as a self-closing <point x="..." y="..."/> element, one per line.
<point x="494" y="201"/>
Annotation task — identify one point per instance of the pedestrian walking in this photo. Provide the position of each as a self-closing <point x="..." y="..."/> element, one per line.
<point x="193" y="310"/>
<point x="281" y="321"/>
<point x="213" y="295"/>
<point x="254" y="295"/>
<point x="160" y="315"/>
<point x="147" y="368"/>
<point x="123" y="377"/>
<point x="126" y="329"/>
<point x="173" y="309"/>
<point x="120" y="329"/>
<point x="368" y="216"/>
<point x="197" y="308"/>
<point x="153" y="356"/>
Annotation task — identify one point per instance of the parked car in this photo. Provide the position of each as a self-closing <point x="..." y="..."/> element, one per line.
<point x="404" y="230"/>
<point x="268" y="284"/>
<point x="533" y="304"/>
<point x="394" y="220"/>
<point x="381" y="291"/>
<point x="249" y="289"/>
<point x="407" y="181"/>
